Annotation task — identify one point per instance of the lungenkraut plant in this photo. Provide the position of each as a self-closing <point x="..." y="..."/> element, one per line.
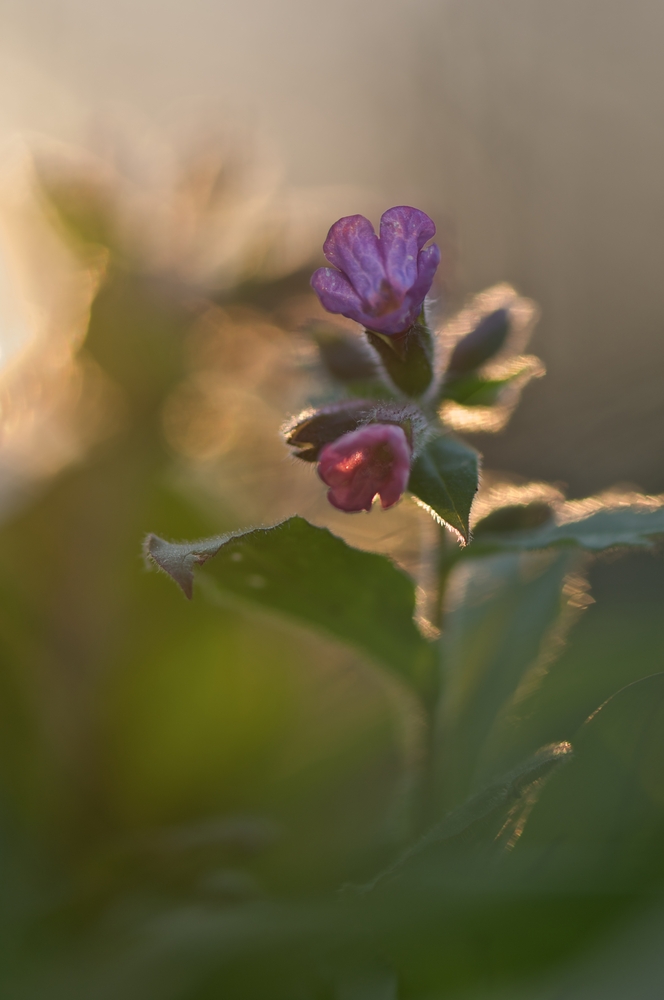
<point x="402" y="390"/>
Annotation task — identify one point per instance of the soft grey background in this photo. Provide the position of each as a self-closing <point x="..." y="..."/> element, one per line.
<point x="532" y="130"/>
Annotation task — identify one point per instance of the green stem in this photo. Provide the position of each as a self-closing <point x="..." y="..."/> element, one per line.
<point x="448" y="554"/>
<point x="426" y="798"/>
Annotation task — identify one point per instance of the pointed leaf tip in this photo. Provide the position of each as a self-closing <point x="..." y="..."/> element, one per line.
<point x="444" y="478"/>
<point x="307" y="573"/>
<point x="178" y="559"/>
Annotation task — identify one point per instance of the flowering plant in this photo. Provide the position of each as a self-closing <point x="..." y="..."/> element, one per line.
<point x="187" y="787"/>
<point x="472" y="814"/>
<point x="382" y="283"/>
<point x="397" y="390"/>
<point x="400" y="388"/>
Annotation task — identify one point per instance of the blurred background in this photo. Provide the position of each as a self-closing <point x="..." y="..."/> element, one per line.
<point x="530" y="131"/>
<point x="168" y="172"/>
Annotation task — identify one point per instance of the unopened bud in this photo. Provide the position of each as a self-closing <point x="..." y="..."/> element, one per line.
<point x="313" y="429"/>
<point x="309" y="432"/>
<point x="345" y="357"/>
<point x="369" y="462"/>
<point x="480" y="344"/>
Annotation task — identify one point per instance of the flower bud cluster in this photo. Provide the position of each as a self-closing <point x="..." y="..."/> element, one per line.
<point x="362" y="448"/>
<point x="365" y="445"/>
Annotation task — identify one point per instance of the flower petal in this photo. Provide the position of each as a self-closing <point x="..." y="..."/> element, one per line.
<point x="336" y="293"/>
<point x="398" y="321"/>
<point x="353" y="247"/>
<point x="403" y="233"/>
<point x="427" y="265"/>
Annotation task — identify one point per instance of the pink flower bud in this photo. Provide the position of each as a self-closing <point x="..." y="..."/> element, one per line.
<point x="372" y="461"/>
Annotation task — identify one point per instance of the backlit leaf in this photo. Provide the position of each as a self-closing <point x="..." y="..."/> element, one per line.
<point x="489" y="803"/>
<point x="603" y="819"/>
<point x="310" y="574"/>
<point x="491" y="637"/>
<point x="595" y="524"/>
<point x="478" y="390"/>
<point x="444" y="478"/>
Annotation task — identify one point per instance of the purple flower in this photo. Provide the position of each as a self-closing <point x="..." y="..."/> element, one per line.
<point x="379" y="282"/>
<point x="372" y="461"/>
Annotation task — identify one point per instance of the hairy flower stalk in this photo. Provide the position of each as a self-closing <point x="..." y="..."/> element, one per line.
<point x="379" y="281"/>
<point x="369" y="462"/>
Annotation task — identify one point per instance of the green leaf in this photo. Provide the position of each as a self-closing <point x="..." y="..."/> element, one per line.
<point x="602" y="821"/>
<point x="514" y="517"/>
<point x="491" y="801"/>
<point x="308" y="573"/>
<point x="473" y="390"/>
<point x="444" y="478"/>
<point x="640" y="522"/>
<point x="490" y="639"/>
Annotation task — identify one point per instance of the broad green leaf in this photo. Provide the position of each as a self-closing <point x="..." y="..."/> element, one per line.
<point x="594" y="524"/>
<point x="310" y="574"/>
<point x="514" y="517"/>
<point x="444" y="478"/>
<point x="617" y="640"/>
<point x="502" y="612"/>
<point x="490" y="802"/>
<point x="603" y="819"/>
